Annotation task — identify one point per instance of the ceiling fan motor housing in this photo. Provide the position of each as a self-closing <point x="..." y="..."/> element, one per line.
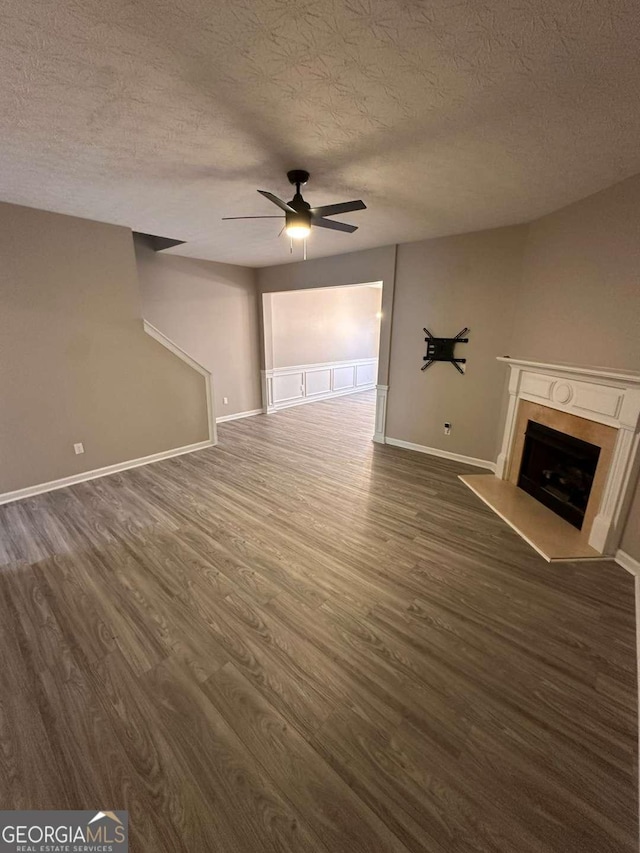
<point x="301" y="218"/>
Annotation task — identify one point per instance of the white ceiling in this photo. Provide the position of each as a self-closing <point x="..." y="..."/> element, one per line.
<point x="443" y="116"/>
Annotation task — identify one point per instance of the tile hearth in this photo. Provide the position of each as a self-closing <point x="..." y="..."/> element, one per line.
<point x="551" y="536"/>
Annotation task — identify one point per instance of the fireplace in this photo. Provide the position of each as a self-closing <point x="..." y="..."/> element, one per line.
<point x="599" y="408"/>
<point x="558" y="470"/>
<point x="572" y="438"/>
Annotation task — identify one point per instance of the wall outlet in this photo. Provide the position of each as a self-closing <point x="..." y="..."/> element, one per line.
<point x="225" y="401"/>
<point x="78" y="448"/>
<point x="447" y="428"/>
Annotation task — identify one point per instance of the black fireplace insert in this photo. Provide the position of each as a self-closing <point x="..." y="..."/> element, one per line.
<point x="558" y="470"/>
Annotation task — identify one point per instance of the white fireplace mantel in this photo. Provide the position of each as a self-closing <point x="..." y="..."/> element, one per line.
<point x="608" y="396"/>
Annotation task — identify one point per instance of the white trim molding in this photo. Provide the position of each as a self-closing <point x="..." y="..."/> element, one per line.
<point x="610" y="397"/>
<point x="380" y="428"/>
<point x="283" y="387"/>
<point x="52" y="485"/>
<point x="632" y="566"/>
<point x="238" y="416"/>
<point x="443" y="454"/>
<point x="167" y="343"/>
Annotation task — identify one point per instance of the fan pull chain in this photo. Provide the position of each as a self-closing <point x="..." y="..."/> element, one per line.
<point x="304" y="249"/>
<point x="291" y="246"/>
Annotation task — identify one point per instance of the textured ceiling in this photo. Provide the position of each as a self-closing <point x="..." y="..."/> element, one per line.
<point x="444" y="116"/>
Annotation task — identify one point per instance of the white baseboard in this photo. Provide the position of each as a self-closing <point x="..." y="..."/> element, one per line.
<point x="238" y="416"/>
<point x="287" y="404"/>
<point x="628" y="562"/>
<point x="443" y="454"/>
<point x="41" y="488"/>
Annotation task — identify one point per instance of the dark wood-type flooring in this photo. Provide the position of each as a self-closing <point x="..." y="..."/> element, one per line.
<point x="302" y="641"/>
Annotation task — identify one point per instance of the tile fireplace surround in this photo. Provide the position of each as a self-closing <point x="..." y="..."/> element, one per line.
<point x="597" y="404"/>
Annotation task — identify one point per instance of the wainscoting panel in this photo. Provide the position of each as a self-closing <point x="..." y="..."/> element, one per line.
<point x="290" y="386"/>
<point x="318" y="381"/>
<point x="366" y="374"/>
<point x="344" y="377"/>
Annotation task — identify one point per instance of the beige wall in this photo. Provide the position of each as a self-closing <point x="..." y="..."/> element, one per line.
<point x="446" y="284"/>
<point x="580" y="299"/>
<point x="211" y="312"/>
<point x="75" y="364"/>
<point x="325" y="324"/>
<point x="354" y="268"/>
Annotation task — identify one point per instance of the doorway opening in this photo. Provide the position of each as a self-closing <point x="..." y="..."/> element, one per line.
<point x="321" y="343"/>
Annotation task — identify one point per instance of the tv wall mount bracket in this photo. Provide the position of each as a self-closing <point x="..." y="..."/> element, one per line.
<point x="443" y="349"/>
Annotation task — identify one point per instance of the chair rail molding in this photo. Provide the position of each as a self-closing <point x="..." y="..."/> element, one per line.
<point x="607" y="396"/>
<point x="166" y="342"/>
<point x="283" y="387"/>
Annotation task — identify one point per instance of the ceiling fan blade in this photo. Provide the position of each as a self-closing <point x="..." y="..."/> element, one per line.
<point x="335" y="226"/>
<point x="343" y="207"/>
<point x="274" y="198"/>
<point x="253" y="217"/>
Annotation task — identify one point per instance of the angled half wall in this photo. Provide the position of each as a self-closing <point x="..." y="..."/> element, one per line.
<point x="209" y="311"/>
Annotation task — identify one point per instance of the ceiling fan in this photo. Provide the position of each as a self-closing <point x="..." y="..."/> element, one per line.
<point x="299" y="216"/>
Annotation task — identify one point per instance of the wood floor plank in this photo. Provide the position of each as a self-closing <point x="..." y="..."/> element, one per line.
<point x="251" y="812"/>
<point x="179" y="815"/>
<point x="28" y="773"/>
<point x="330" y="807"/>
<point x="303" y="641"/>
<point x="428" y="808"/>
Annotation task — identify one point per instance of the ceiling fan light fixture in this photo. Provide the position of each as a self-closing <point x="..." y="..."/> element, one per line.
<point x="300" y="217"/>
<point x="298" y="232"/>
<point x="298" y="225"/>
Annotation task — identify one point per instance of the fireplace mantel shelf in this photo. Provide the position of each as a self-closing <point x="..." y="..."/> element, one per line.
<point x="628" y="377"/>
